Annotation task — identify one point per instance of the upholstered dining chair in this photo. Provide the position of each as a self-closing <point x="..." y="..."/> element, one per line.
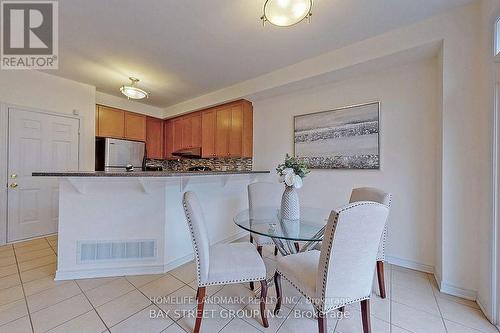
<point x="221" y="264"/>
<point x="262" y="195"/>
<point x="375" y="195"/>
<point x="342" y="272"/>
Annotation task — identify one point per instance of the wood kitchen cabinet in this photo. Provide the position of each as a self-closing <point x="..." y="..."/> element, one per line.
<point x="177" y="126"/>
<point x="168" y="133"/>
<point x="208" y="124"/>
<point x="110" y="122"/>
<point x="154" y="138"/>
<point x="187" y="132"/>
<point x="222" y="128"/>
<point x="227" y="130"/>
<point x="196" y="130"/>
<point x="235" y="139"/>
<point x="222" y="131"/>
<point x="135" y="126"/>
<point x="120" y="124"/>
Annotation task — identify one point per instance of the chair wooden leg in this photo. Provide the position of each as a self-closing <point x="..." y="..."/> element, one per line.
<point x="263" y="295"/>
<point x="380" y="277"/>
<point x="322" y="323"/>
<point x="365" y="316"/>
<point x="275" y="250"/>
<point x="199" y="311"/>
<point x="259" y="249"/>
<point x="277" y="283"/>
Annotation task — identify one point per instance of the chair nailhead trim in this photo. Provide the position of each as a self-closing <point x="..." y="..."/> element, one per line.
<point x="195" y="246"/>
<point x="314" y="301"/>
<point x="231" y="281"/>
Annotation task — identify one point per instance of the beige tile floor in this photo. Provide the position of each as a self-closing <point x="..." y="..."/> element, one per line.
<point x="31" y="301"/>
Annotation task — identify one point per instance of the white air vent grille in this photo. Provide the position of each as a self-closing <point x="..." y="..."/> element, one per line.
<point x="97" y="251"/>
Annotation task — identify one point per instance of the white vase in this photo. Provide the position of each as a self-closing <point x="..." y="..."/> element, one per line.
<point x="290" y="209"/>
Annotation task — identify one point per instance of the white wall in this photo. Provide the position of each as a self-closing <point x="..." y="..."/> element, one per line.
<point x="409" y="131"/>
<point x="46" y="92"/>
<point x="489" y="232"/>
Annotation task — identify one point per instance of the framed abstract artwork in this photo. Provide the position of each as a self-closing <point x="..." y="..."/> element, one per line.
<point x="343" y="138"/>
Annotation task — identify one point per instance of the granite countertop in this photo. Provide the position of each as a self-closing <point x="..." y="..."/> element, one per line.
<point x="144" y="173"/>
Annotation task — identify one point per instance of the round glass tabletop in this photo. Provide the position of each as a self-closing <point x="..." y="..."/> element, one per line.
<point x="267" y="221"/>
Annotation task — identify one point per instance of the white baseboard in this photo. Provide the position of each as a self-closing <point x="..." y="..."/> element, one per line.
<point x="109" y="272"/>
<point x="444" y="286"/>
<point x="482" y="307"/>
<point x="450" y="289"/>
<point x="178" y="262"/>
<point x="410" y="264"/>
<point x="234" y="237"/>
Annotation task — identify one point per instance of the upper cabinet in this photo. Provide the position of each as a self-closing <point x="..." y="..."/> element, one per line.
<point x="223" y="131"/>
<point x="154" y="138"/>
<point x="168" y="144"/>
<point x="110" y="122"/>
<point x="135" y="126"/>
<point x="186" y="131"/>
<point x="227" y="130"/>
<point x="120" y="124"/>
<point x="208" y="125"/>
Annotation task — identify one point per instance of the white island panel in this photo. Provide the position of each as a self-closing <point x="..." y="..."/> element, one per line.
<point x="131" y="208"/>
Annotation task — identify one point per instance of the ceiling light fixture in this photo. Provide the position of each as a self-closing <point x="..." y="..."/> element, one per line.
<point x="285" y="13"/>
<point x="131" y="91"/>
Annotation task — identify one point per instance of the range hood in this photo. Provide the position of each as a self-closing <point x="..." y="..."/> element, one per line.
<point x="188" y="152"/>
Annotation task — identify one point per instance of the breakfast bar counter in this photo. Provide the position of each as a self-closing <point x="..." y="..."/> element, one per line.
<point x="149" y="174"/>
<point x="131" y="223"/>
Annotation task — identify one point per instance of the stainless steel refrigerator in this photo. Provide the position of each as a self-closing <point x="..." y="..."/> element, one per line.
<point x="115" y="155"/>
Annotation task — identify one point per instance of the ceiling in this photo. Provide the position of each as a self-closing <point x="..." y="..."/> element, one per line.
<point x="183" y="49"/>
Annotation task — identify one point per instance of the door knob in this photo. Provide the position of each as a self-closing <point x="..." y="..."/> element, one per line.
<point x="13" y="185"/>
<point x="13" y="176"/>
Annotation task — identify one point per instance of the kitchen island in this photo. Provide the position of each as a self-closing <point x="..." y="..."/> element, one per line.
<point x="132" y="223"/>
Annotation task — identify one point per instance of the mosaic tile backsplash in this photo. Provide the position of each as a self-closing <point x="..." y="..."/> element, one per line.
<point x="216" y="164"/>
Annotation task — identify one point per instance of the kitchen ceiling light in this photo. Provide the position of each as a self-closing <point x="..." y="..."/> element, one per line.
<point x="285" y="13"/>
<point x="131" y="91"/>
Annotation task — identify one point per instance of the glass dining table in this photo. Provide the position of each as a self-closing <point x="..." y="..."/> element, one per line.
<point x="286" y="234"/>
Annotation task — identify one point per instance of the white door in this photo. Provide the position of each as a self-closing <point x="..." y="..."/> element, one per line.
<point x="37" y="142"/>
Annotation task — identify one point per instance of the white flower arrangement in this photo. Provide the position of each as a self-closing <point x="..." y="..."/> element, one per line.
<point x="292" y="171"/>
<point x="290" y="178"/>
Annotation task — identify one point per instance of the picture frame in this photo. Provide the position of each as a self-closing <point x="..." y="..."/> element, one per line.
<point x="342" y="138"/>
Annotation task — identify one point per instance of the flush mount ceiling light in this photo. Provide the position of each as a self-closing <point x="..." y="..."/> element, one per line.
<point x="285" y="13"/>
<point x="131" y="91"/>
